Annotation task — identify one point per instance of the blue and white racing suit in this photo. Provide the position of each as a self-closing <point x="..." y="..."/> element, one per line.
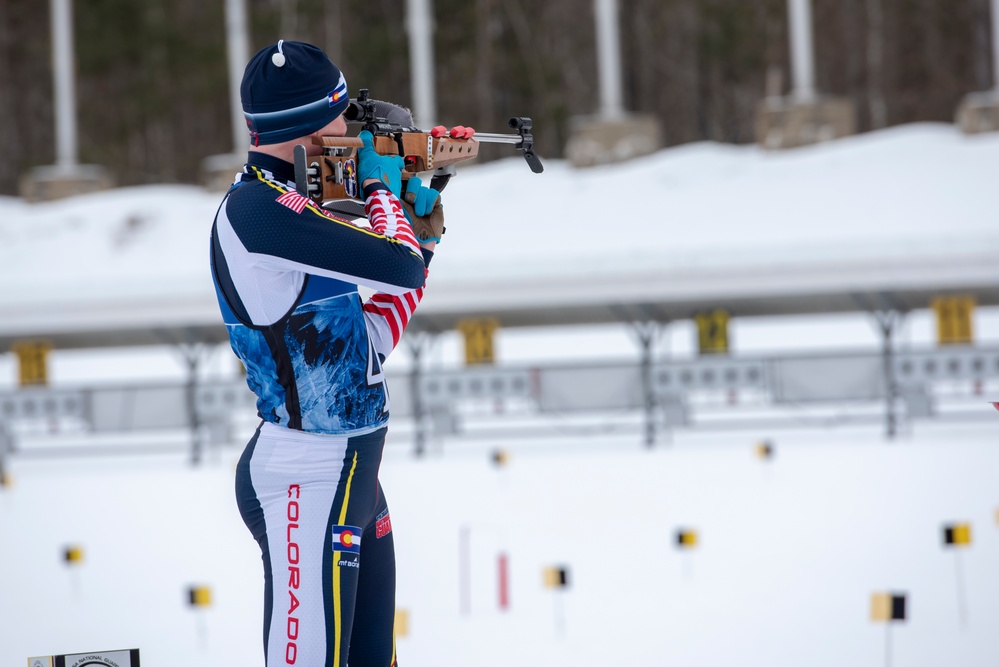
<point x="286" y="275"/>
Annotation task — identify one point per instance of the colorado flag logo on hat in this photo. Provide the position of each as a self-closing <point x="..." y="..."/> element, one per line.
<point x="347" y="538"/>
<point x="339" y="93"/>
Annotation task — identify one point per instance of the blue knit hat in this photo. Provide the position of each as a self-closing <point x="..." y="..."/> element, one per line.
<point x="289" y="90"/>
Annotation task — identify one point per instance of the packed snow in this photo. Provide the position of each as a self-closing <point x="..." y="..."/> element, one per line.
<point x="790" y="551"/>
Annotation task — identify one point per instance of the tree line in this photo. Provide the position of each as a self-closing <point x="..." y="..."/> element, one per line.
<point x="152" y="82"/>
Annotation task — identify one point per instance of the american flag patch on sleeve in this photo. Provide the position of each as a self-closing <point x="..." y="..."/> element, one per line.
<point x="294" y="201"/>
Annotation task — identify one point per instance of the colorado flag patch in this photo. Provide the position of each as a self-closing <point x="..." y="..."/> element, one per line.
<point x="347" y="538"/>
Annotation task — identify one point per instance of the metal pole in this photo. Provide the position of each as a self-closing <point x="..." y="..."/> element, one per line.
<point x="6" y="448"/>
<point x="995" y="44"/>
<point x="888" y="644"/>
<point x="609" y="58"/>
<point x="64" y="82"/>
<point x="875" y="62"/>
<point x="802" y="50"/>
<point x="465" y="569"/>
<point x="237" y="40"/>
<point x="888" y="320"/>
<point x="650" y="399"/>
<point x="962" y="605"/>
<point x="417" y="344"/>
<point x="647" y="333"/>
<point x="192" y="355"/>
<point x="503" y="564"/>
<point x="420" y="26"/>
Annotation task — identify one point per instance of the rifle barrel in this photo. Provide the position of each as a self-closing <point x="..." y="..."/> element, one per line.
<point x="487" y="138"/>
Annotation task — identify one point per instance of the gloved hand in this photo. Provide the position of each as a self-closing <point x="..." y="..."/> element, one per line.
<point x="421" y="198"/>
<point x="429" y="227"/>
<point x="385" y="168"/>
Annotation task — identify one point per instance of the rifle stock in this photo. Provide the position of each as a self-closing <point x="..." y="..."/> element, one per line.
<point x="333" y="174"/>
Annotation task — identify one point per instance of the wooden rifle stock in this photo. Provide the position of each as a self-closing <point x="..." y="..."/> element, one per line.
<point x="333" y="175"/>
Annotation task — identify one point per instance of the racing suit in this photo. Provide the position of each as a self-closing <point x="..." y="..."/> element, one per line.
<point x="286" y="274"/>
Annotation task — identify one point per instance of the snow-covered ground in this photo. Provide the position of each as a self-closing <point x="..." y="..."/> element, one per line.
<point x="790" y="549"/>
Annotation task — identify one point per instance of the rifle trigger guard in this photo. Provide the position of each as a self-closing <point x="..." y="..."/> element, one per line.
<point x="398" y="142"/>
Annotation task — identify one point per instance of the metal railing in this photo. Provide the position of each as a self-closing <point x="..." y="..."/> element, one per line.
<point x="679" y="393"/>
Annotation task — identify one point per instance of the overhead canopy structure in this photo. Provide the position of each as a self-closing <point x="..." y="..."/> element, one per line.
<point x="667" y="295"/>
<point x="883" y="221"/>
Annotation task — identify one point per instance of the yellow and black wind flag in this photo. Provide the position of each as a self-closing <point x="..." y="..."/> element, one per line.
<point x="686" y="538"/>
<point x="957" y="535"/>
<point x="765" y="450"/>
<point x="888" y="607"/>
<point x="199" y="596"/>
<point x="556" y="577"/>
<point x="73" y="554"/>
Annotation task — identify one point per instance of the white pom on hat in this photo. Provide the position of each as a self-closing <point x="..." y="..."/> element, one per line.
<point x="278" y="58"/>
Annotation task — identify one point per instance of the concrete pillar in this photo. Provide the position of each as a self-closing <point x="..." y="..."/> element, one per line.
<point x="979" y="111"/>
<point x="611" y="135"/>
<point x="66" y="177"/>
<point x="803" y="117"/>
<point x="237" y="50"/>
<point x="609" y="58"/>
<point x="64" y="83"/>
<point x="995" y="45"/>
<point x="802" y="51"/>
<point x="420" y="27"/>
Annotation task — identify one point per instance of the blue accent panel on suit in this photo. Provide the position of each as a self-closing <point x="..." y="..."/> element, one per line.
<point x="251" y="346"/>
<point x="320" y="287"/>
<point x="329" y="346"/>
<point x="228" y="317"/>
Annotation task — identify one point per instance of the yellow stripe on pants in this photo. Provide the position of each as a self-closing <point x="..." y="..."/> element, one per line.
<point x="336" y="570"/>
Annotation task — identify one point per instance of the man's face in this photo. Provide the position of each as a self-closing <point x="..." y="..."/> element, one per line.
<point x="336" y="128"/>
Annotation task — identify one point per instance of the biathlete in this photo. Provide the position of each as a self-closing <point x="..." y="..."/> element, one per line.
<point x="286" y="274"/>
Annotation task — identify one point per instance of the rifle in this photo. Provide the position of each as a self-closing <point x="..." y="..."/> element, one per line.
<point x="333" y="174"/>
